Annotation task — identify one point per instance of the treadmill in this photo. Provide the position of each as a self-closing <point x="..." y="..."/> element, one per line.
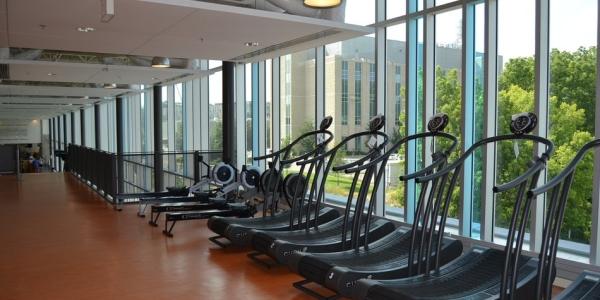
<point x="237" y="231"/>
<point x="388" y="257"/>
<point x="332" y="236"/>
<point x="481" y="273"/>
<point x="587" y="285"/>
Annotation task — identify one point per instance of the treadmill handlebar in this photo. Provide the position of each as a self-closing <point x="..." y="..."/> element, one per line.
<point x="286" y="148"/>
<point x="344" y="141"/>
<point x="444" y="154"/>
<point x="566" y="171"/>
<point x="544" y="157"/>
<point x="320" y="146"/>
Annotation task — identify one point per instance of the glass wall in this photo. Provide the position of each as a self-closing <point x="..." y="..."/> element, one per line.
<point x="395" y="115"/>
<point x="572" y="106"/>
<point x="215" y="109"/>
<point x="516" y="48"/>
<point x="348" y="101"/>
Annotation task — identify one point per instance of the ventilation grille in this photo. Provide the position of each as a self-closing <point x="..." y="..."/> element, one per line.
<point x="300" y="40"/>
<point x="4" y="71"/>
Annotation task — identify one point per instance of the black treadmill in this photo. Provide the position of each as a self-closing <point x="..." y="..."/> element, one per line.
<point x="388" y="257"/>
<point x="332" y="236"/>
<point x="481" y="273"/>
<point x="587" y="285"/>
<point x="237" y="231"/>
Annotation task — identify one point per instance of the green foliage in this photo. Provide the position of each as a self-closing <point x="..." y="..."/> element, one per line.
<point x="571" y="107"/>
<point x="518" y="71"/>
<point x="216" y="135"/>
<point x="573" y="80"/>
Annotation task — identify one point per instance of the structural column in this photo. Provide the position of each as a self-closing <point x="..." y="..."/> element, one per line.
<point x="228" y="71"/>
<point x="51" y="142"/>
<point x="157" y="120"/>
<point x="65" y="140"/>
<point x="97" y="125"/>
<point x="120" y="141"/>
<point x="72" y="127"/>
<point x="59" y="142"/>
<point x="82" y="126"/>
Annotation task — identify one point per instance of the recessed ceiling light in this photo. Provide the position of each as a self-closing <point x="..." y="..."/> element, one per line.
<point x="85" y="29"/>
<point x="160" y="62"/>
<point x="51" y="74"/>
<point x="110" y="85"/>
<point x="251" y="44"/>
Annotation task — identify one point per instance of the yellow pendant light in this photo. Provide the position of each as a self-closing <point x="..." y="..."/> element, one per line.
<point x="322" y="3"/>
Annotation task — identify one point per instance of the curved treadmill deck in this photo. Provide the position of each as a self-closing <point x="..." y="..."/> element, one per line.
<point x="328" y="238"/>
<point x="237" y="231"/>
<point x="475" y="275"/>
<point x="386" y="258"/>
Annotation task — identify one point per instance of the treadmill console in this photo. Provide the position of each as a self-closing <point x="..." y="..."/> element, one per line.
<point x="523" y="123"/>
<point x="326" y="123"/>
<point x="438" y="122"/>
<point x="376" y="123"/>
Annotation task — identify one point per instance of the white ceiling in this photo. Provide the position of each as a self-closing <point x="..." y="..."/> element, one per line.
<point x="169" y="28"/>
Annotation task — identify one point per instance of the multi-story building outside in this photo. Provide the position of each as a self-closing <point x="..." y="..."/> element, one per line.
<point x="350" y="87"/>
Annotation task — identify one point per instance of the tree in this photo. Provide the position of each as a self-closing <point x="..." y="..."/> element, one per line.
<point x="216" y="135"/>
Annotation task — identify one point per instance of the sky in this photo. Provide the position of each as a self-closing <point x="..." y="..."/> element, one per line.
<point x="573" y="23"/>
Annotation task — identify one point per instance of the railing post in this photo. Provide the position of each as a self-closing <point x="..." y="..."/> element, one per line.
<point x="196" y="166"/>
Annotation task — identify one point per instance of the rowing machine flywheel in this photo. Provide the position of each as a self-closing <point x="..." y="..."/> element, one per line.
<point x="291" y="183"/>
<point x="267" y="181"/>
<point x="223" y="174"/>
<point x="250" y="178"/>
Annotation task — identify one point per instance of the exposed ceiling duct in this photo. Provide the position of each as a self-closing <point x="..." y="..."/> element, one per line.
<point x="94" y="58"/>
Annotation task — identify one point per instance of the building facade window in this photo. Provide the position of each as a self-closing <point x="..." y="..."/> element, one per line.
<point x="344" y="93"/>
<point x="357" y="93"/>
<point x="372" y="91"/>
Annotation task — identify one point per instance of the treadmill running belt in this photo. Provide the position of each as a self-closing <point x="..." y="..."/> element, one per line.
<point x="460" y="278"/>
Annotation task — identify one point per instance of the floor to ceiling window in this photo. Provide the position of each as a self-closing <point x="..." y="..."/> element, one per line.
<point x="395" y="116"/>
<point x="347" y="100"/>
<point x="516" y="48"/>
<point x="572" y="106"/>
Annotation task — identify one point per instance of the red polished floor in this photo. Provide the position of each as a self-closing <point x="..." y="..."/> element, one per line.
<point x="59" y="240"/>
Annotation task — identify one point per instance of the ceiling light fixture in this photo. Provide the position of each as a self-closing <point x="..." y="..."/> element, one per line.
<point x="161" y="62"/>
<point x="322" y="3"/>
<point x="85" y="29"/>
<point x="251" y="44"/>
<point x="51" y="74"/>
<point x="110" y="85"/>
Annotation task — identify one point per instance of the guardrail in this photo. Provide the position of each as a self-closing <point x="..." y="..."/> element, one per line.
<point x="110" y="174"/>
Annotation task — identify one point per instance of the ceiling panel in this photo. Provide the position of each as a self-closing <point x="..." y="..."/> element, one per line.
<point x="16" y="90"/>
<point x="89" y="73"/>
<point x="186" y="29"/>
<point x="133" y="24"/>
<point x="46" y="100"/>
